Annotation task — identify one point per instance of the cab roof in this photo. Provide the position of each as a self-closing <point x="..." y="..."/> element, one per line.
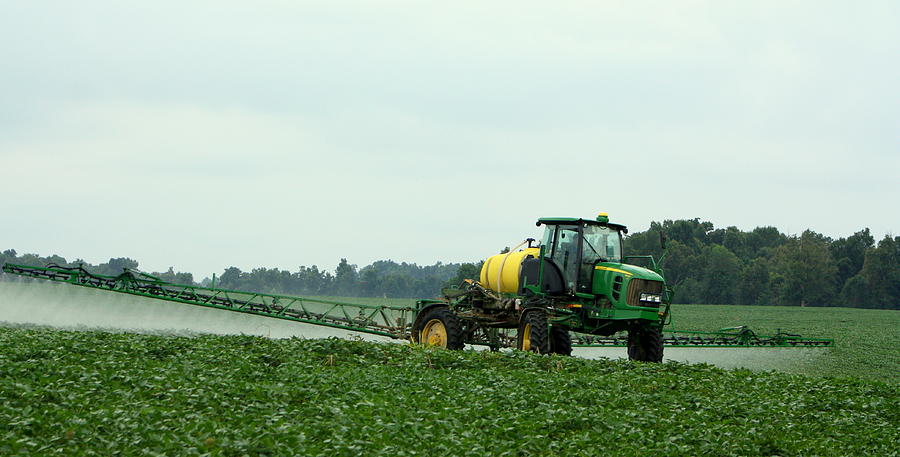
<point x="577" y="220"/>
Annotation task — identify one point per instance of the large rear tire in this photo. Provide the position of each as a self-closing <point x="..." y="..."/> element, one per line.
<point x="645" y="343"/>
<point x="440" y="327"/>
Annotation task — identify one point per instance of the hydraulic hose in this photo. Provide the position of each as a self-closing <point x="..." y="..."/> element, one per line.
<point x="500" y="271"/>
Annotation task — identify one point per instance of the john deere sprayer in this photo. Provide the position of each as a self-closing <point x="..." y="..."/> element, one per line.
<point x="576" y="280"/>
<point x="575" y="288"/>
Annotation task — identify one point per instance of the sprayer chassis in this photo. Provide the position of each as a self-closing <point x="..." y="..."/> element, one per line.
<point x="486" y="317"/>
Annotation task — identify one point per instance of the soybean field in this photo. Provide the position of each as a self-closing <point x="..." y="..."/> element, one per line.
<point x="78" y="393"/>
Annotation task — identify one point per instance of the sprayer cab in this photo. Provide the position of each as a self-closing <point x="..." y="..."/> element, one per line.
<point x="573" y="247"/>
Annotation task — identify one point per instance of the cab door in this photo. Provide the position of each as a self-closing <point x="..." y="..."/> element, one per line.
<point x="564" y="252"/>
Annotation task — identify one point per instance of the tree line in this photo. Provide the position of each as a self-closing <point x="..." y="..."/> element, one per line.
<point x="766" y="267"/>
<point x="705" y="265"/>
<point x="383" y="278"/>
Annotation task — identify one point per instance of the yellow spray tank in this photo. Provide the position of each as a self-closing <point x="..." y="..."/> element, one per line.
<point x="500" y="272"/>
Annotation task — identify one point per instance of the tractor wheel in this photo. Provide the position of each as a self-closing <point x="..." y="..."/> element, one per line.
<point x="440" y="327"/>
<point x="534" y="333"/>
<point x="645" y="343"/>
<point x="560" y="341"/>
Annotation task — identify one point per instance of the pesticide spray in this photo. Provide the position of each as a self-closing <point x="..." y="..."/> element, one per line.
<point x="779" y="359"/>
<point x="77" y="308"/>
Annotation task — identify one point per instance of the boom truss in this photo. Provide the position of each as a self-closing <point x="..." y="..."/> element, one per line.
<point x="383" y="320"/>
<point x="390" y="321"/>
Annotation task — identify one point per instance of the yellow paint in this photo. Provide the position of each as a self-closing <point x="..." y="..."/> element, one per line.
<point x="505" y="268"/>
<point x="526" y="338"/>
<point x="600" y="267"/>
<point x="434" y="333"/>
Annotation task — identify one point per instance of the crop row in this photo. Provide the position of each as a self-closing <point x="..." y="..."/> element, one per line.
<point x="95" y="393"/>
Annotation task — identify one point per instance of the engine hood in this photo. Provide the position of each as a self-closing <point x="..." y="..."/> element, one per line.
<point x="629" y="271"/>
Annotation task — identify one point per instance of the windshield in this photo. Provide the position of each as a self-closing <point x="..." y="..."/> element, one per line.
<point x="601" y="243"/>
<point x="563" y="242"/>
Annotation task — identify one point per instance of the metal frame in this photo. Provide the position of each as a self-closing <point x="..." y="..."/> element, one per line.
<point x="383" y="320"/>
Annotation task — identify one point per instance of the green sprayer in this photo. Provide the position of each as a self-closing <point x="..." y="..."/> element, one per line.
<point x="576" y="288"/>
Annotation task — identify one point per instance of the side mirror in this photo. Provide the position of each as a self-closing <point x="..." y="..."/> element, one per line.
<point x="662" y="240"/>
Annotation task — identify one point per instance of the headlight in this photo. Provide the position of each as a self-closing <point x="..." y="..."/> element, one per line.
<point x="651" y="298"/>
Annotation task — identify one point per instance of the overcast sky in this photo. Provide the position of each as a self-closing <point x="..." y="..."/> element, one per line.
<point x="202" y="135"/>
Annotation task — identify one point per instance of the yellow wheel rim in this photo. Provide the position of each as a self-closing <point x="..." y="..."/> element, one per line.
<point x="526" y="338"/>
<point x="434" y="333"/>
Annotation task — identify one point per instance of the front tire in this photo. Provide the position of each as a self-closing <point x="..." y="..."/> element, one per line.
<point x="535" y="335"/>
<point x="560" y="341"/>
<point x="440" y="327"/>
<point x="645" y="343"/>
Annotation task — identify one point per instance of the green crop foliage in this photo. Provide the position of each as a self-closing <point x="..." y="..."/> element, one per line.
<point x="95" y="393"/>
<point x="866" y="340"/>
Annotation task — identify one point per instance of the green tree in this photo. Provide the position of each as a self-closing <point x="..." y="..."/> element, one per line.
<point x="761" y="241"/>
<point x="754" y="284"/>
<point x="645" y="243"/>
<point x="721" y="275"/>
<point x="465" y="271"/>
<point x="368" y="282"/>
<point x="807" y="271"/>
<point x="345" y="278"/>
<point x="878" y="283"/>
<point x="116" y="266"/>
<point x="681" y="263"/>
<point x="231" y="279"/>
<point x="849" y="253"/>
<point x="309" y="280"/>
<point x="689" y="291"/>
<point x="394" y="285"/>
<point x="856" y="292"/>
<point x="691" y="232"/>
<point x="176" y="278"/>
<point x="736" y="241"/>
